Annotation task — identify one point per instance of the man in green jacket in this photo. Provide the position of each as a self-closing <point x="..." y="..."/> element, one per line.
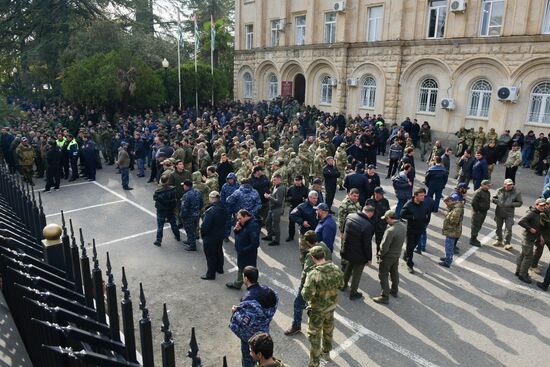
<point x="321" y="294"/>
<point x="481" y="202"/>
<point x="507" y="199"/>
<point x="390" y="251"/>
<point x="531" y="234"/>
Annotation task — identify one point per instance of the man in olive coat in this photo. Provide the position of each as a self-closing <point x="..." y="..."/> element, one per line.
<point x="390" y="250"/>
<point x="481" y="202"/>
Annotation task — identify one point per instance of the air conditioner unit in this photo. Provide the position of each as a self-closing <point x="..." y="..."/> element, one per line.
<point x="508" y="94"/>
<point x="340" y="6"/>
<point x="458" y="6"/>
<point x="352" y="82"/>
<point x="333" y="82"/>
<point x="448" y="104"/>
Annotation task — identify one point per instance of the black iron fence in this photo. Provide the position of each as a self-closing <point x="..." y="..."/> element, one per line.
<point x="66" y="312"/>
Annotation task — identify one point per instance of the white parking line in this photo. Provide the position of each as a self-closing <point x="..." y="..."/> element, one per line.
<point x="86" y="208"/>
<point x="68" y="185"/>
<point x="125" y="199"/>
<point x="127" y="237"/>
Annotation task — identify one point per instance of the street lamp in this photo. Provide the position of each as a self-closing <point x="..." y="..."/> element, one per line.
<point x="165" y="65"/>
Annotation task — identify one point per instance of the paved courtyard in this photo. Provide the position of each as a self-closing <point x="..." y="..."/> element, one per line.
<point x="476" y="313"/>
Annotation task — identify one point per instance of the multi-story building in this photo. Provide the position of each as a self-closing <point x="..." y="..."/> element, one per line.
<point x="452" y="63"/>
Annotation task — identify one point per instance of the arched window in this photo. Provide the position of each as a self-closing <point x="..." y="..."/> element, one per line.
<point x="480" y="99"/>
<point x="427" y="96"/>
<point x="326" y="90"/>
<point x="539" y="104"/>
<point x="247" y="85"/>
<point x="368" y="92"/>
<point x="273" y="87"/>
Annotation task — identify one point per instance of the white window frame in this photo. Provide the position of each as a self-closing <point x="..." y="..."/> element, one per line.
<point x="440" y="11"/>
<point x="273" y="86"/>
<point x="330" y="27"/>
<point x="275" y="32"/>
<point x="546" y="19"/>
<point x="480" y="99"/>
<point x="539" y="104"/>
<point x="325" y="97"/>
<point x="487" y="12"/>
<point x="249" y="36"/>
<point x="300" y="31"/>
<point x="368" y="92"/>
<point x="427" y="96"/>
<point x="248" y="84"/>
<point x="374" y="24"/>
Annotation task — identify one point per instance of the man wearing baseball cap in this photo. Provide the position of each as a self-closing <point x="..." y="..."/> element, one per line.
<point x="481" y="202"/>
<point x="507" y="198"/>
<point x="390" y="250"/>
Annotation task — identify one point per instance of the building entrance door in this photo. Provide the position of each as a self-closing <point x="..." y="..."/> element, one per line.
<point x="300" y="88"/>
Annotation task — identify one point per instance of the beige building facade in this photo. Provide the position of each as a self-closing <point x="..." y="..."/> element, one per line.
<point x="453" y="63"/>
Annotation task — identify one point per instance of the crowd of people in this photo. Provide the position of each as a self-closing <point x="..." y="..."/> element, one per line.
<point x="234" y="170"/>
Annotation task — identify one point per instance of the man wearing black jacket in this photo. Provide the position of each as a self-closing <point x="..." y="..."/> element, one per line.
<point x="212" y="233"/>
<point x="295" y="195"/>
<point x="357" y="247"/>
<point x="165" y="201"/>
<point x="373" y="180"/>
<point x="53" y="174"/>
<point x="417" y="216"/>
<point x="331" y="174"/>
<point x="381" y="206"/>
<point x="260" y="183"/>
<point x="357" y="180"/>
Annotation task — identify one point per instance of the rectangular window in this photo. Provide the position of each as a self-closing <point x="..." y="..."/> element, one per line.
<point x="374" y="23"/>
<point x="330" y="27"/>
<point x="300" y="30"/>
<point x="249" y="33"/>
<point x="492" y="12"/>
<point x="275" y="32"/>
<point x="546" y="21"/>
<point x="437" y="12"/>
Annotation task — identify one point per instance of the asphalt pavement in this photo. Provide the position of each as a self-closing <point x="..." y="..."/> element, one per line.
<point x="476" y="313"/>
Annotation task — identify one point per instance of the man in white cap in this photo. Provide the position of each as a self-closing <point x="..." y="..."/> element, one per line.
<point x="507" y="199"/>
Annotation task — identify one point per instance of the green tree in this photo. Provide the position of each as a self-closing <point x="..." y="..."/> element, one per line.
<point x="115" y="81"/>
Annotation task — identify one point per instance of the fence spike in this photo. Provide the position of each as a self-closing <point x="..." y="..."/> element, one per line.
<point x="143" y="303"/>
<point x="165" y="327"/>
<point x="81" y="238"/>
<point x="109" y="271"/>
<point x="125" y="289"/>
<point x="94" y="255"/>
<point x="224" y="361"/>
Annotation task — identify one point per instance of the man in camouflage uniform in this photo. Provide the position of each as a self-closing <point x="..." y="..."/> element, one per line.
<point x="481" y="202"/>
<point x="320" y="291"/>
<point x="492" y="135"/>
<point x="319" y="162"/>
<point x="25" y="158"/>
<point x="212" y="179"/>
<point x="341" y="164"/>
<point x="470" y="137"/>
<point x="461" y="147"/>
<point x="480" y="140"/>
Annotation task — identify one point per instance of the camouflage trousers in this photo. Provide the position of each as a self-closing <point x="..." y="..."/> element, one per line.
<point x="27" y="172"/>
<point x="490" y="169"/>
<point x="320" y="329"/>
<point x="525" y="258"/>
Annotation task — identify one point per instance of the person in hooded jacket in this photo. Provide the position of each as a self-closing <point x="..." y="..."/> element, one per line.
<point x="165" y="201"/>
<point x="436" y="180"/>
<point x="403" y="188"/>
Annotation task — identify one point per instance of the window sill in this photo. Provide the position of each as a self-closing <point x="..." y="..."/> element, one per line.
<point x="366" y="108"/>
<point x="537" y="124"/>
<point x="477" y="118"/>
<point x="325" y="104"/>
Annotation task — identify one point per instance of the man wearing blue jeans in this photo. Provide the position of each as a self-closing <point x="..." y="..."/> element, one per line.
<point x="123" y="163"/>
<point x="452" y="228"/>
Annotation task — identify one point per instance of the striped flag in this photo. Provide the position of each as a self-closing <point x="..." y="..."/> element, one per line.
<point x="197" y="34"/>
<point x="212" y="33"/>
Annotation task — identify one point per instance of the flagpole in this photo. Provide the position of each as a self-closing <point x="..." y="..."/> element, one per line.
<point x="196" y="84"/>
<point x="179" y="74"/>
<point x="212" y="40"/>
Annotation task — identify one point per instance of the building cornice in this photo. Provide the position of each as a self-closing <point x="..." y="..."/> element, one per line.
<point x="406" y="43"/>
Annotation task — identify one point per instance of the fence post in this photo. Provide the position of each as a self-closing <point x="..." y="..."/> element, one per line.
<point x="194" y="350"/>
<point x="98" y="287"/>
<point x="128" y="320"/>
<point x="112" y="306"/>
<point x="53" y="246"/>
<point x="224" y="361"/>
<point x="41" y="210"/>
<point x="66" y="249"/>
<point x="167" y="347"/>
<point x="86" y="278"/>
<point x="145" y="332"/>
<point x="75" y="261"/>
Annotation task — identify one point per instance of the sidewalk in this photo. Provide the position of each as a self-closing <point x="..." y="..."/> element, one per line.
<point x="12" y="350"/>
